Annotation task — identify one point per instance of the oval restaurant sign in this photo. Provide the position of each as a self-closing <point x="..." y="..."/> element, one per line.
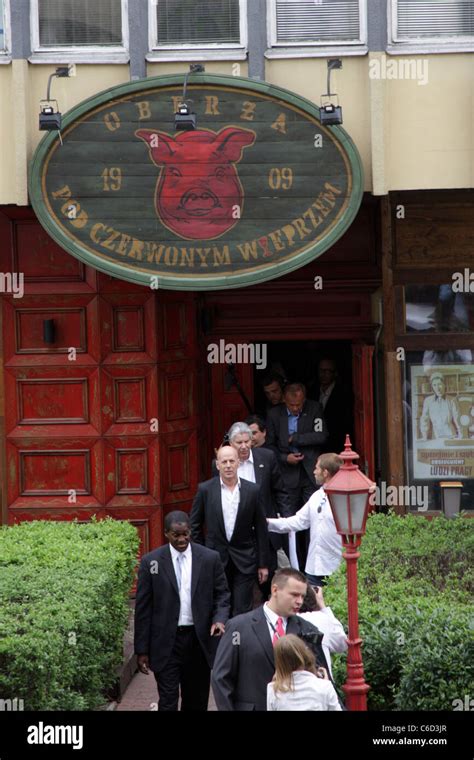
<point x="258" y="189"/>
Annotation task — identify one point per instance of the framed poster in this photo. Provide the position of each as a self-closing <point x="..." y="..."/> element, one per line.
<point x="442" y="406"/>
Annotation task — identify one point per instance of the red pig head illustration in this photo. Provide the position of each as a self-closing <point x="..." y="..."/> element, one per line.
<point x="198" y="189"/>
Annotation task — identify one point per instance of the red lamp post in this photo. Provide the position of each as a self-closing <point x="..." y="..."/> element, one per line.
<point x="348" y="493"/>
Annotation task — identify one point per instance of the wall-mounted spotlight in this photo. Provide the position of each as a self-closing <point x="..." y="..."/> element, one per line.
<point x="184" y="118"/>
<point x="331" y="113"/>
<point x="49" y="116"/>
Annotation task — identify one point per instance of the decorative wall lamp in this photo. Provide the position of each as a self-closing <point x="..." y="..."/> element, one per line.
<point x="49" y="116"/>
<point x="451" y="491"/>
<point x="184" y="118"/>
<point x="330" y="113"/>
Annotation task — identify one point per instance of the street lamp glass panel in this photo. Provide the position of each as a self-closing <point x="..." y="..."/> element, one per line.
<point x="341" y="505"/>
<point x="358" y="507"/>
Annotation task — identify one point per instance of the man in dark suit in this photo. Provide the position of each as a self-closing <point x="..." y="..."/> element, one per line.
<point x="182" y="601"/>
<point x="258" y="426"/>
<point x="337" y="403"/>
<point x="244" y="663"/>
<point x="260" y="466"/>
<point x="234" y="516"/>
<point x="272" y="384"/>
<point x="296" y="432"/>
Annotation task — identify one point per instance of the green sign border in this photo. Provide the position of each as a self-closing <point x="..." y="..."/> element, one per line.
<point x="191" y="283"/>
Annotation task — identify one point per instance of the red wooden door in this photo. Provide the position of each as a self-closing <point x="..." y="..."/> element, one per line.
<point x="362" y="357"/>
<point x="102" y="421"/>
<point x="227" y="403"/>
<point x="180" y="399"/>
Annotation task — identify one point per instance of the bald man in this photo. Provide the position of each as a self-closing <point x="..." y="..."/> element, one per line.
<point x="234" y="517"/>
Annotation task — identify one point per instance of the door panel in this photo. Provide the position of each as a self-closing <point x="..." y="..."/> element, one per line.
<point x="180" y="412"/>
<point x="227" y="404"/>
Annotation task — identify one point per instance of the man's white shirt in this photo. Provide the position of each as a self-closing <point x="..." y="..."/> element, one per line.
<point x="272" y="620"/>
<point x="325" y="546"/>
<point x="246" y="469"/>
<point x="185" y="611"/>
<point x="334" y="636"/>
<point x="230" y="501"/>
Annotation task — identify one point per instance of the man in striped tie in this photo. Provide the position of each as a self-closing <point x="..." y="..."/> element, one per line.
<point x="244" y="663"/>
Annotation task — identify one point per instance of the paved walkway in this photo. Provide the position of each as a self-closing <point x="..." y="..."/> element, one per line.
<point x="142" y="694"/>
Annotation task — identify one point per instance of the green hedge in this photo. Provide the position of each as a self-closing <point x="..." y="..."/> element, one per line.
<point x="416" y="582"/>
<point x="64" y="591"/>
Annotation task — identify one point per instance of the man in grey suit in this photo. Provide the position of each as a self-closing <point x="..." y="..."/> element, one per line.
<point x="244" y="663"/>
<point x="296" y="432"/>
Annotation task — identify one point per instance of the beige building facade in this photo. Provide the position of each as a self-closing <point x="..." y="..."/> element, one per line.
<point x="406" y="87"/>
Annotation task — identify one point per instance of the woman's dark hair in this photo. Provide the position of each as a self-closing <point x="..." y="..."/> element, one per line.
<point x="309" y="602"/>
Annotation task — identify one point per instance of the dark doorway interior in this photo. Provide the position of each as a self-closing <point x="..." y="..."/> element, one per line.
<point x="299" y="360"/>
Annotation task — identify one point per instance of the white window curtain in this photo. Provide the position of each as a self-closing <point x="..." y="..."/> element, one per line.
<point x="434" y="18"/>
<point x="324" y="21"/>
<point x="198" y="22"/>
<point x="80" y="23"/>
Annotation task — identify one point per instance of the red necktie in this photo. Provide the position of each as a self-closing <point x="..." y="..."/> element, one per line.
<point x="279" y="631"/>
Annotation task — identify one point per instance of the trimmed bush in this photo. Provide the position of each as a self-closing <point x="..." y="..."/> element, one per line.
<point x="416" y="583"/>
<point x="64" y="591"/>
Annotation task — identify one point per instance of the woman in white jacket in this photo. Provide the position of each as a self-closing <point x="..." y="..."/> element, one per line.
<point x="315" y="612"/>
<point x="297" y="683"/>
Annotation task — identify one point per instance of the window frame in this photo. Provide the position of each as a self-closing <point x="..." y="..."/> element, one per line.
<point x="6" y="52"/>
<point x="422" y="44"/>
<point x="304" y="49"/>
<point x="216" y="50"/>
<point x="82" y="53"/>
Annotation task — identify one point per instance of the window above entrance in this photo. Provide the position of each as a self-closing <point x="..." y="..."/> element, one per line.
<point x="79" y="29"/>
<point x="212" y="28"/>
<point x="304" y="28"/>
<point x="431" y="27"/>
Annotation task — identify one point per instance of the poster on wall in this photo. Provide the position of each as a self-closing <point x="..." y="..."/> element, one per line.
<point x="442" y="411"/>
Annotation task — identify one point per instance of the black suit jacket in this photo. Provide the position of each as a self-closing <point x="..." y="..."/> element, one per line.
<point x="308" y="441"/>
<point x="157" y="602"/>
<point x="338" y="414"/>
<point x="245" y="664"/>
<point x="249" y="541"/>
<point x="273" y="493"/>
